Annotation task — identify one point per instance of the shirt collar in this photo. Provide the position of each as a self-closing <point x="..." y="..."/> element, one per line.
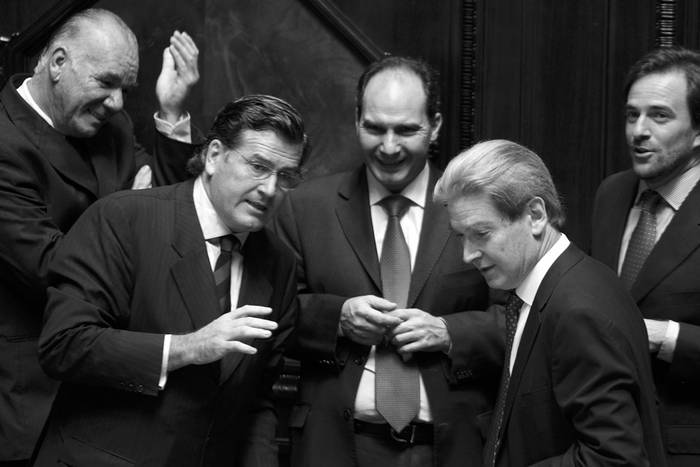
<point x="23" y="91"/>
<point x="676" y="190"/>
<point x="528" y="288"/>
<point x="415" y="191"/>
<point x="212" y="226"/>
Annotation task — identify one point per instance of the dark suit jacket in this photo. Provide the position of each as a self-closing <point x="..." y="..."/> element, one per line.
<point x="667" y="287"/>
<point x="47" y="182"/>
<point x="581" y="391"/>
<point x="327" y="222"/>
<point x="134" y="268"/>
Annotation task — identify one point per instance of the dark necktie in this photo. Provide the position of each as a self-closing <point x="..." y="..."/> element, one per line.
<point x="642" y="239"/>
<point x="396" y="382"/>
<point x="222" y="270"/>
<point x="512" y="311"/>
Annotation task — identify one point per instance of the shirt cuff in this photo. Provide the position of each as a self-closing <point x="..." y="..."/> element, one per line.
<point x="180" y="131"/>
<point x="668" y="346"/>
<point x="164" y="362"/>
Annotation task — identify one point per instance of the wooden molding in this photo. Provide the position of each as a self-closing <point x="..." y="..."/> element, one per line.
<point x="666" y="14"/>
<point x="22" y="46"/>
<point x="347" y="30"/>
<point x="468" y="84"/>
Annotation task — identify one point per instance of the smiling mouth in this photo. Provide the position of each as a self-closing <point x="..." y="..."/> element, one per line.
<point x="258" y="206"/>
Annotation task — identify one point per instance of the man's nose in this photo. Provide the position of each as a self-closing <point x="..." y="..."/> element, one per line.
<point x="390" y="143"/>
<point x="268" y="186"/>
<point x="115" y="100"/>
<point x="639" y="128"/>
<point x="469" y="254"/>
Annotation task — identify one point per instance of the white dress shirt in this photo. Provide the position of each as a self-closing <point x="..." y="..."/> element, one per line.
<point x="416" y="191"/>
<point x="528" y="289"/>
<point x="673" y="194"/>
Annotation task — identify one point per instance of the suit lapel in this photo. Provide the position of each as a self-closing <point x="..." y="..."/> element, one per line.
<point x="433" y="238"/>
<point x="192" y="273"/>
<point x="255" y="290"/>
<point x="353" y="214"/>
<point x="61" y="152"/>
<point x="680" y="239"/>
<point x="566" y="260"/>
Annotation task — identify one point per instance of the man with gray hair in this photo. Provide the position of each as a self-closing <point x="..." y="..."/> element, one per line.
<point x="65" y="141"/>
<point x="576" y="386"/>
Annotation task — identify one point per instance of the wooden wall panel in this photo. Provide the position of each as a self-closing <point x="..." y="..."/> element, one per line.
<point x="551" y="75"/>
<point x="281" y="47"/>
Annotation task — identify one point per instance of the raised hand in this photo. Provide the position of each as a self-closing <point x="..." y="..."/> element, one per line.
<point x="177" y="76"/>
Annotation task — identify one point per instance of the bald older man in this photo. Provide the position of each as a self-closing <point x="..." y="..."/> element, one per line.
<point x="65" y="141"/>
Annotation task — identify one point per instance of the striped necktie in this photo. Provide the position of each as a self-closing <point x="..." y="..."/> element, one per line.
<point x="222" y="270"/>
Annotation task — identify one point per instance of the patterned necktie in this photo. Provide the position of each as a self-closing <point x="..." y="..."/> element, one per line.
<point x="222" y="270"/>
<point x="642" y="239"/>
<point x="396" y="382"/>
<point x="512" y="311"/>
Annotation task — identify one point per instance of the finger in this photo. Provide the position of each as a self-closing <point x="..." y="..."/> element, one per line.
<point x="250" y="310"/>
<point x="380" y="303"/>
<point x="168" y="63"/>
<point x="180" y="62"/>
<point x="256" y="323"/>
<point x="240" y="347"/>
<point x="411" y="347"/>
<point x="383" y="320"/>
<point x="406" y="313"/>
<point x="404" y="338"/>
<point x="184" y="43"/>
<point x="247" y="333"/>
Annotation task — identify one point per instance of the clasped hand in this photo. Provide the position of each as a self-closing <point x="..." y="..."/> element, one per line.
<point x="369" y="320"/>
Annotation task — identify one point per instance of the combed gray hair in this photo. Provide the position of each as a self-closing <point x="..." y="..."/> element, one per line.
<point x="510" y="174"/>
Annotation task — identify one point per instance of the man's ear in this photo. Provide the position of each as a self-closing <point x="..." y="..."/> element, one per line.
<point x="57" y="61"/>
<point x="537" y="213"/>
<point x="696" y="140"/>
<point x="435" y="127"/>
<point x="214" y="152"/>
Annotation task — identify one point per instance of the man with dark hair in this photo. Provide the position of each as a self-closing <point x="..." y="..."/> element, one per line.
<point x="65" y="141"/>
<point x="645" y="227"/>
<point x="576" y="387"/>
<point x="394" y="371"/>
<point x="168" y="308"/>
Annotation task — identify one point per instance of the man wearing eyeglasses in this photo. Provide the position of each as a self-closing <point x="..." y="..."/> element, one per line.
<point x="168" y="308"/>
<point x="394" y="370"/>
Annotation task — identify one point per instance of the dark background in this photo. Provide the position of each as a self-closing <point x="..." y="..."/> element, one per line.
<point x="545" y="73"/>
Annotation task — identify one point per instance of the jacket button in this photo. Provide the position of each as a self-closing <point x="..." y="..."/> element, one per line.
<point x="347" y="415"/>
<point x="358" y="361"/>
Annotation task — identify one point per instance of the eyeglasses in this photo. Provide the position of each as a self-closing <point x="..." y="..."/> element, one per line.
<point x="286" y="179"/>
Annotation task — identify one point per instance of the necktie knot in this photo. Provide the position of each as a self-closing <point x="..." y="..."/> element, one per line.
<point x="395" y="205"/>
<point x="229" y="243"/>
<point x="649" y="200"/>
